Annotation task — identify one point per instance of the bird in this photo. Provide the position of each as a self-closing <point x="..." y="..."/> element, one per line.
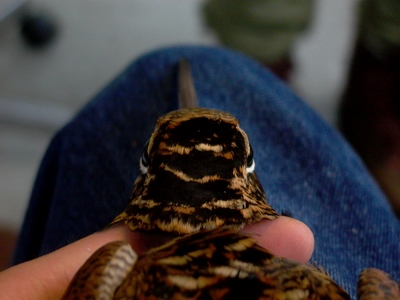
<point x="198" y="187"/>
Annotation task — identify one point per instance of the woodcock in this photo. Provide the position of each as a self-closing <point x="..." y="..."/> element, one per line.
<point x="198" y="182"/>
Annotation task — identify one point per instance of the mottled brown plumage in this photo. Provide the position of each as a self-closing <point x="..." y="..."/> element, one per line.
<point x="198" y="180"/>
<point x="197" y="174"/>
<point x="219" y="264"/>
<point x="102" y="273"/>
<point x="374" y="284"/>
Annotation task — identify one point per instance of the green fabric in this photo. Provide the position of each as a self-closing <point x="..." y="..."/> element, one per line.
<point x="263" y="29"/>
<point x="380" y="25"/>
<point x="266" y="29"/>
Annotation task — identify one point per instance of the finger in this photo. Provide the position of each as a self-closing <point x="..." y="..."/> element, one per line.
<point x="48" y="276"/>
<point x="285" y="237"/>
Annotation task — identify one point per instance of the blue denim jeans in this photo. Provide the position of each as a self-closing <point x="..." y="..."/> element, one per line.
<point x="305" y="166"/>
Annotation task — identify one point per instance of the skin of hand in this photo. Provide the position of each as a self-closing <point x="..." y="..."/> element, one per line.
<point x="47" y="277"/>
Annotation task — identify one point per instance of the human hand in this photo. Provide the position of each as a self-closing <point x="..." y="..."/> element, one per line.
<point x="47" y="277"/>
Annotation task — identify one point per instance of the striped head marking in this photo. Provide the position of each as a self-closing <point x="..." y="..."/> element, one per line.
<point x="197" y="173"/>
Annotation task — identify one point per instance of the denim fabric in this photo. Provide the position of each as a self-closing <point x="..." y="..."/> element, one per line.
<point x="305" y="166"/>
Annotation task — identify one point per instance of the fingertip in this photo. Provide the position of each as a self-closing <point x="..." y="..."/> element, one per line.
<point x="285" y="237"/>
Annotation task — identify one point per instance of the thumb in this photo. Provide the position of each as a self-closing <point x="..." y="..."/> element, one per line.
<point x="47" y="277"/>
<point x="284" y="237"/>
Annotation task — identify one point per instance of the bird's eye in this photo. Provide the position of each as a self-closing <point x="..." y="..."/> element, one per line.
<point x="144" y="160"/>
<point x="250" y="161"/>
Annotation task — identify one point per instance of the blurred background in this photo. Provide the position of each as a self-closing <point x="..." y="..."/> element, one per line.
<point x="42" y="87"/>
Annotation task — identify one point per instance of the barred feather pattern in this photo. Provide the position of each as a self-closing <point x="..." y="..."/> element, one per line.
<point x="198" y="181"/>
<point x="102" y="273"/>
<point x="198" y="176"/>
<point x="215" y="264"/>
<point x="374" y="284"/>
<point x="223" y="264"/>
